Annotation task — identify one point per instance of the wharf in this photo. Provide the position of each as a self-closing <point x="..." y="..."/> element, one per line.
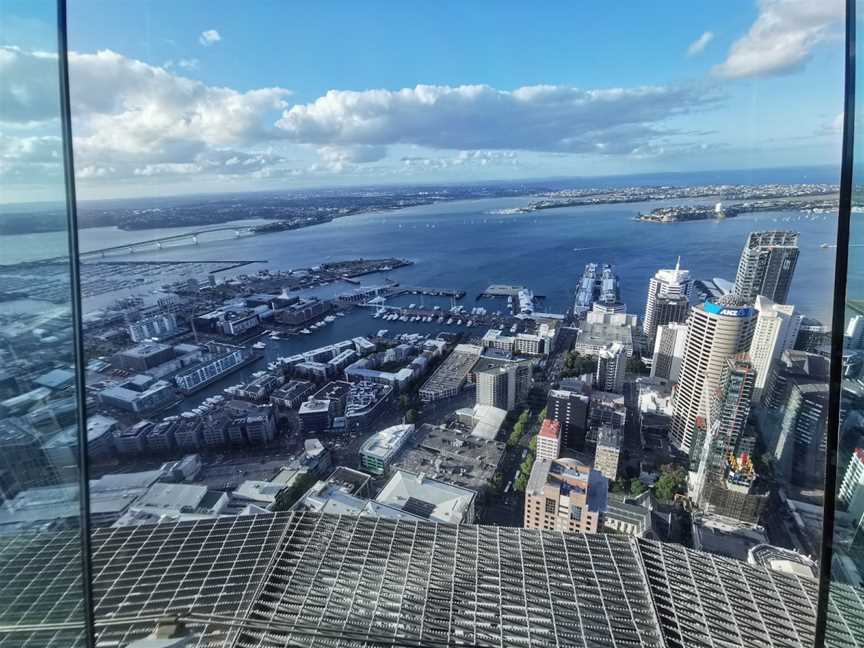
<point x="489" y="320"/>
<point x="501" y="290"/>
<point x="455" y="293"/>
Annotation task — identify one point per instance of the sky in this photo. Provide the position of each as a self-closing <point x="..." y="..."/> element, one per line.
<point x="200" y="96"/>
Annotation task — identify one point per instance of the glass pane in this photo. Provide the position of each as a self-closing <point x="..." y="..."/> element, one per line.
<point x="847" y="564"/>
<point x="40" y="550"/>
<point x="559" y="272"/>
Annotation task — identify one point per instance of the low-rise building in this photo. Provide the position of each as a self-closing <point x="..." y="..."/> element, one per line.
<point x="291" y="395"/>
<point x="316" y="416"/>
<point x="427" y="498"/>
<point x="305" y="310"/>
<point x="484" y="420"/>
<point x="132" y="441"/>
<point x="381" y="448"/>
<point x="249" y="423"/>
<point x="164" y="501"/>
<point x="219" y="361"/>
<point x="549" y="440"/>
<point x="131" y="396"/>
<point x="448" y="379"/>
<point x="143" y="356"/>
<point x="100" y="436"/>
<point x="453" y="456"/>
<point x="628" y="515"/>
<point x="565" y="495"/>
<point x="365" y="403"/>
<point x="259" y="390"/>
<point x="161" y="325"/>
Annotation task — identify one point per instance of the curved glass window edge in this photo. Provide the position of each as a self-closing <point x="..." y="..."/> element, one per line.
<point x="72" y="551"/>
<point x="42" y="453"/>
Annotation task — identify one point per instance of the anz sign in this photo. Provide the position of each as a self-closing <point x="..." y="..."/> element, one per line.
<point x="716" y="309"/>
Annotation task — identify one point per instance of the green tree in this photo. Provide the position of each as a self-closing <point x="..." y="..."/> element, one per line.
<point x="636" y="366"/>
<point x="637" y="487"/>
<point x="533" y="443"/>
<point x="672" y="482"/>
<point x="514" y="438"/>
<point x="542" y="415"/>
<point x="576" y="365"/>
<point x="286" y="498"/>
<point x="520" y="483"/>
<point x="619" y="486"/>
<point x="411" y="416"/>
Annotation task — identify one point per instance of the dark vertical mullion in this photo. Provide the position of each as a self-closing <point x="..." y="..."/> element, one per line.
<point x="77" y="338"/>
<point x="837" y="325"/>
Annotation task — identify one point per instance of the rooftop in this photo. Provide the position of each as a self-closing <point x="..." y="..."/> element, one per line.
<point x="550" y="429"/>
<point x="453" y="456"/>
<point x="385" y="443"/>
<point x="314" y="405"/>
<point x="427" y="498"/>
<point x="265" y="570"/>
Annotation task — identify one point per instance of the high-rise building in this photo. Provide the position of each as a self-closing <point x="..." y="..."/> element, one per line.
<point x="776" y="331"/>
<point x="851" y="494"/>
<point x="766" y="266"/>
<point x="503" y="386"/>
<point x="549" y="440"/>
<point x="669" y="344"/>
<point x="668" y="299"/>
<point x="732" y="402"/>
<point x="565" y="495"/>
<point x="854" y="332"/>
<point x="726" y="413"/>
<point x="716" y="332"/>
<point x="812" y="335"/>
<point x="611" y="365"/>
<point x="570" y="410"/>
<point x="608" y="453"/>
<point x="725" y="482"/>
<point x="799" y="446"/>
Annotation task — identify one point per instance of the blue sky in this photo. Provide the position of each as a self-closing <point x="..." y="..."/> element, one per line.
<point x="198" y="96"/>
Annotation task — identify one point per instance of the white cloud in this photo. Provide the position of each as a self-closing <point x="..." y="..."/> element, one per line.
<point x="28" y="86"/>
<point x="475" y="117"/>
<point x="338" y="158"/>
<point x="137" y="121"/>
<point x="168" y="168"/>
<point x="783" y="37"/>
<point x="94" y="171"/>
<point x="29" y="157"/>
<point x="698" y="46"/>
<point x="209" y="37"/>
<point x="462" y="159"/>
<point x="131" y="118"/>
<point x="833" y="127"/>
<point x="184" y="64"/>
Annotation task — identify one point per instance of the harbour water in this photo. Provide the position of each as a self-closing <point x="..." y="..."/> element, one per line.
<point x="466" y="245"/>
<point x="463" y="245"/>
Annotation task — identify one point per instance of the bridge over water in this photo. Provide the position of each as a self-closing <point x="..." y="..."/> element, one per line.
<point x="193" y="237"/>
